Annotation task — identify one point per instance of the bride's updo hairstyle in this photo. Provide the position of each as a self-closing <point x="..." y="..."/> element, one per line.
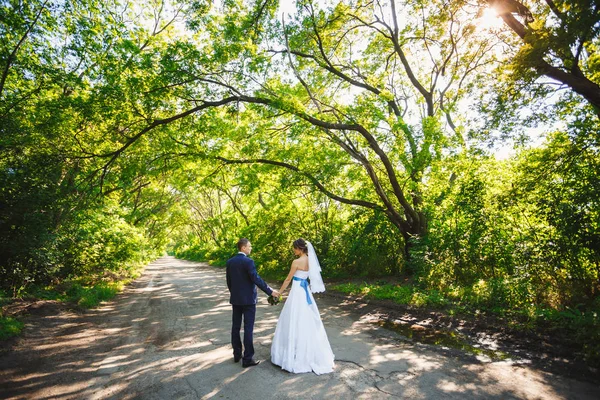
<point x="300" y="244"/>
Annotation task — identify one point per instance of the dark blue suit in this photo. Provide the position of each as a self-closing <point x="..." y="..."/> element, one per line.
<point x="242" y="280"/>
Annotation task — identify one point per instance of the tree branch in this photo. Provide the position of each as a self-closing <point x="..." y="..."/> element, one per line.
<point x="312" y="179"/>
<point x="12" y="55"/>
<point x="159" y="122"/>
<point x="407" y="68"/>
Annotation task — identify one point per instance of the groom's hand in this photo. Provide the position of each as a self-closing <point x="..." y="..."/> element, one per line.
<point x="275" y="293"/>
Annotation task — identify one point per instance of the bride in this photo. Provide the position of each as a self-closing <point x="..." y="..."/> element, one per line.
<point x="300" y="343"/>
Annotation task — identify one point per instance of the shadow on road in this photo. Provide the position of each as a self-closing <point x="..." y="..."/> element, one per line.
<point x="167" y="337"/>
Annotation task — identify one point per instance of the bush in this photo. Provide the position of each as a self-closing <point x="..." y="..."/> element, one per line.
<point x="367" y="246"/>
<point x="89" y="244"/>
<point x="518" y="234"/>
<point x="91" y="295"/>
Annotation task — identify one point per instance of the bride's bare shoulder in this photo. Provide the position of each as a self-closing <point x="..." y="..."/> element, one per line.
<point x="301" y="263"/>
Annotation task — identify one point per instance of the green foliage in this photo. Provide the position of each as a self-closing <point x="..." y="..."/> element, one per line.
<point x="86" y="292"/>
<point x="349" y="243"/>
<point x="366" y="246"/>
<point x="70" y="68"/>
<point x="95" y="242"/>
<point x="91" y="296"/>
<point x="527" y="228"/>
<point x="558" y="45"/>
<point x="111" y="149"/>
<point x="9" y="327"/>
<point x="89" y="244"/>
<point x="400" y="293"/>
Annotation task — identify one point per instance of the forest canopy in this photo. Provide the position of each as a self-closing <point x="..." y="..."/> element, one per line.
<point x="371" y="128"/>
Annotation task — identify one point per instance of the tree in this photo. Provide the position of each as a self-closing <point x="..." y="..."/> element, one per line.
<point x="68" y="71"/>
<point x="351" y="72"/>
<point x="559" y="40"/>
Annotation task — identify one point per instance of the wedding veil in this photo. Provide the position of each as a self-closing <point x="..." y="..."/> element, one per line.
<point x="314" y="271"/>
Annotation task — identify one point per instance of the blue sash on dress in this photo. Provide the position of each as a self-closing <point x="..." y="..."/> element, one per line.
<point x="304" y="284"/>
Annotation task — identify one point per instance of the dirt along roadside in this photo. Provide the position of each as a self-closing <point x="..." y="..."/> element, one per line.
<point x="487" y="337"/>
<point x="167" y="336"/>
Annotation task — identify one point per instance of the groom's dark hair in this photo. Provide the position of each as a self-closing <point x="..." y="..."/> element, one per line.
<point x="242" y="242"/>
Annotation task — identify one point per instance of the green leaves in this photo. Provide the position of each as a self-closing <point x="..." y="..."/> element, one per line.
<point x="125" y="130"/>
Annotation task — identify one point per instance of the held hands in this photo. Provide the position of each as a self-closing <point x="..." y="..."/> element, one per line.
<point x="274" y="298"/>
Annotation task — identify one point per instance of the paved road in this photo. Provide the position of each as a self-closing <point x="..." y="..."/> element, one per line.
<point x="167" y="337"/>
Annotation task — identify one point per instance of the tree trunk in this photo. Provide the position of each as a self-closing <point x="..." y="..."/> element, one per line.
<point x="413" y="240"/>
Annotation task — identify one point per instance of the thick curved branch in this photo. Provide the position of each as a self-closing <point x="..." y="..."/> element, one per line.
<point x="312" y="179"/>
<point x="156" y="123"/>
<point x="391" y="173"/>
<point x="410" y="213"/>
<point x="391" y="210"/>
<point x="13" y="54"/>
<point x="579" y="84"/>
<point x="329" y="67"/>
<point x="373" y="144"/>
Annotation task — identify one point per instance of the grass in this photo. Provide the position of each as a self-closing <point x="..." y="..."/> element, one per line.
<point x="401" y="294"/>
<point x="9" y="327"/>
<point x="86" y="292"/>
<point x="89" y="296"/>
<point x="580" y="327"/>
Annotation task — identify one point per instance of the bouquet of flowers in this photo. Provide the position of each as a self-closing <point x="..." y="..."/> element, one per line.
<point x="274" y="300"/>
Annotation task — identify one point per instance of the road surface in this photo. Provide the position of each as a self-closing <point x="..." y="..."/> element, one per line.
<point x="167" y="337"/>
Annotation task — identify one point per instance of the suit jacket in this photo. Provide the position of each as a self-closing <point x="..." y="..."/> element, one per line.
<point x="242" y="280"/>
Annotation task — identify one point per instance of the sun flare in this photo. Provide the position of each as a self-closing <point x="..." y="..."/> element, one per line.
<point x="489" y="19"/>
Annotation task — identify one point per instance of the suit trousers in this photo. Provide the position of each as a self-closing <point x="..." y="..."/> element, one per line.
<point x="249" y="313"/>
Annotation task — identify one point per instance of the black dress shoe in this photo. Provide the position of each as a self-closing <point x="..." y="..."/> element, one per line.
<point x="237" y="359"/>
<point x="251" y="363"/>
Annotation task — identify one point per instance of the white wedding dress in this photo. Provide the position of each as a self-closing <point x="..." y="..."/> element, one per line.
<point x="300" y="343"/>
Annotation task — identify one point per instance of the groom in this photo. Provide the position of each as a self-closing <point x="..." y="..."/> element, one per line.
<point x="242" y="280"/>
